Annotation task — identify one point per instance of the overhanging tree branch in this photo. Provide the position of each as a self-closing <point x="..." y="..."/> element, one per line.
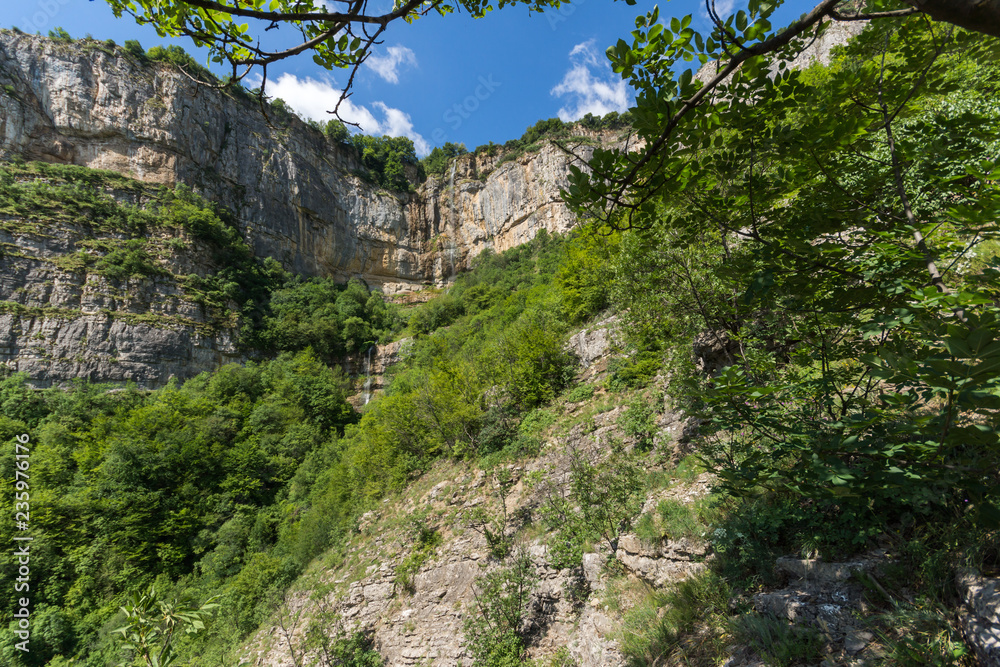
<point x="631" y="183"/>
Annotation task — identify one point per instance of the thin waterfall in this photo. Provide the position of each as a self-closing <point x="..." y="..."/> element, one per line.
<point x="454" y="224"/>
<point x="368" y="374"/>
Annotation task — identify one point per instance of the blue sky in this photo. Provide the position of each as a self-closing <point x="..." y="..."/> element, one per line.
<point x="439" y="79"/>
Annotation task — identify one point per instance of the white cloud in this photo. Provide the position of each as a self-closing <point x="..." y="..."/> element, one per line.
<point x="591" y="85"/>
<point x="722" y="7"/>
<point x="398" y="124"/>
<point x="315" y="99"/>
<point x="388" y="66"/>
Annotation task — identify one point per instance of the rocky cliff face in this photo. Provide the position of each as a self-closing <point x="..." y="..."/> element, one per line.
<point x="293" y="191"/>
<point x="296" y="197"/>
<point x="100" y="295"/>
<point x="819" y="50"/>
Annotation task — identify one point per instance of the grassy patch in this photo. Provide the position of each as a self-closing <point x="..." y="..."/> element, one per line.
<point x="75" y="262"/>
<point x="579" y="393"/>
<point x="49" y="312"/>
<point x="688" y="469"/>
<point x="779" y="642"/>
<point x="687" y="624"/>
<point x="671" y="520"/>
<point x="426" y="540"/>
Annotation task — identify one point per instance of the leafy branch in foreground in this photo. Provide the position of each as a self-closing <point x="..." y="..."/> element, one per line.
<point x="153" y="624"/>
<point x="675" y="113"/>
<point x="338" y="33"/>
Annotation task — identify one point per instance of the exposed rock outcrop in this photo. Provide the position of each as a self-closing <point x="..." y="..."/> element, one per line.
<point x="593" y="343"/>
<point x="295" y="194"/>
<point x="421" y="622"/>
<point x="824" y="597"/>
<point x="979" y="615"/>
<point x="61" y="319"/>
<point x="661" y="564"/>
<point x="296" y="197"/>
<point x="369" y="368"/>
<point x="819" y="50"/>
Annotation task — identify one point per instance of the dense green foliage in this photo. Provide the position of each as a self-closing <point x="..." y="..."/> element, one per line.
<point x="331" y="319"/>
<point x="488" y="351"/>
<point x="440" y="157"/>
<point x="232" y="482"/>
<point x="336" y="131"/>
<point x="192" y="479"/>
<point x="800" y="234"/>
<point x="67" y="194"/>
<point x="386" y="159"/>
<point x="547" y="264"/>
<point x="152" y="625"/>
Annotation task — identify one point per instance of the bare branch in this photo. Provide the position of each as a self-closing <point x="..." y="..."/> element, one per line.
<point x="837" y="16"/>
<point x="981" y="16"/>
<point x="319" y="17"/>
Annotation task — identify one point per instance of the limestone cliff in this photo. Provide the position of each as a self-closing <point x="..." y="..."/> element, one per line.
<point x="293" y="192"/>
<point x="296" y="196"/>
<point x="97" y="281"/>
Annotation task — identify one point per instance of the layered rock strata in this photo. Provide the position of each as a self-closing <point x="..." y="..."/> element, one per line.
<point x="296" y="197"/>
<point x="62" y="317"/>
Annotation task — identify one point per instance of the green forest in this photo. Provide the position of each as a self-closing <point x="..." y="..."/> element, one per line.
<point x="831" y="232"/>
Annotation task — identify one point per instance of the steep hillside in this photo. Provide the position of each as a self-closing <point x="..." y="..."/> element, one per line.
<point x="412" y="576"/>
<point x="760" y="426"/>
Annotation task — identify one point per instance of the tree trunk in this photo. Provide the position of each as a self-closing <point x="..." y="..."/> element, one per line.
<point x="978" y="15"/>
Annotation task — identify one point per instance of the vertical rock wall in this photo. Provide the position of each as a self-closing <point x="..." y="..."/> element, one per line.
<point x="296" y="197"/>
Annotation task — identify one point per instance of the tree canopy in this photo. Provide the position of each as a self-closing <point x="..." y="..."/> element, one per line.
<point x="676" y="109"/>
<point x="832" y="230"/>
<point x="341" y="33"/>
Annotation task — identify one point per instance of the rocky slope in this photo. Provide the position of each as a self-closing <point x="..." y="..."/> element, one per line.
<point x="416" y="616"/>
<point x="833" y="613"/>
